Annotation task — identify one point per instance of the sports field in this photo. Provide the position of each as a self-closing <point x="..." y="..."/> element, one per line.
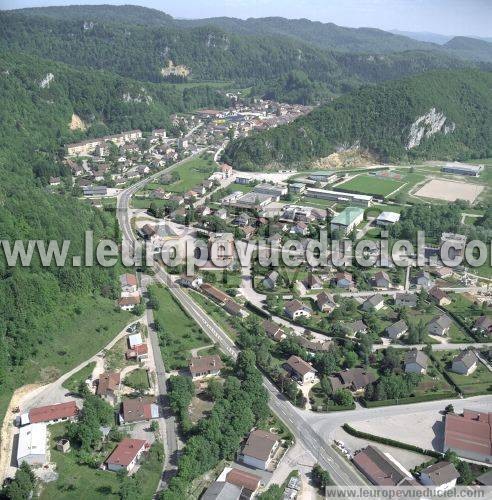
<point x="370" y="184"/>
<point x="450" y="190"/>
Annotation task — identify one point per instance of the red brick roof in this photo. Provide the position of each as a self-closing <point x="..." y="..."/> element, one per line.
<point x="205" y="364"/>
<point x="243" y="479"/>
<point x="126" y="451"/>
<point x="129" y="301"/>
<point x="53" y="412"/>
<point x="108" y="382"/>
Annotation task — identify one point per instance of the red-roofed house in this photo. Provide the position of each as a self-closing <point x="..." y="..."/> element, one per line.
<point x="138" y="410"/>
<point x="53" y="413"/>
<point x="138" y="352"/>
<point x="126" y="454"/>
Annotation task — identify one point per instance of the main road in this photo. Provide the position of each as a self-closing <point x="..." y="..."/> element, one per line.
<point x="341" y="471"/>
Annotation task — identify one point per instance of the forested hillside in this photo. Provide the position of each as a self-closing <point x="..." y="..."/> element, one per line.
<point x="205" y="53"/>
<point x="34" y="124"/>
<point x="445" y="114"/>
<point x="321" y="35"/>
<point x="470" y="48"/>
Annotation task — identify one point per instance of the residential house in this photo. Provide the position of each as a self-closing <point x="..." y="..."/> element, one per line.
<point x="226" y="170"/>
<point x="259" y="449"/>
<point x="275" y="239"/>
<point x="138" y="410"/>
<point x="441" y="476"/>
<point x="300" y="370"/>
<point x="439" y="296"/>
<point x="55" y="181"/>
<point x="249" y="232"/>
<point x="344" y="280"/>
<point x="204" y="366"/>
<point x="126" y="454"/>
<point x="273" y="330"/>
<point x="416" y="362"/>
<point x="465" y="363"/>
<point x="313" y="282"/>
<point x="381" y="469"/>
<point x="128" y="303"/>
<point x="373" y="303"/>
<point x="138" y="352"/>
<point x="440" y="325"/>
<point x="397" y="330"/>
<point x="248" y="482"/>
<point x="354" y="379"/>
<point x="190" y="281"/>
<point x="469" y="435"/>
<point x="146" y="232"/>
<point x="406" y="300"/>
<point x="108" y="385"/>
<point x="296" y="309"/>
<point x="32" y="445"/>
<point x="314" y="345"/>
<point x="128" y="283"/>
<point x="423" y="279"/>
<point x="355" y="327"/>
<point x="221" y="213"/>
<point x="325" y="302"/>
<point x="483" y="325"/>
<point x="301" y="228"/>
<point x="381" y="280"/>
<point x="270" y="281"/>
<point x="443" y="272"/>
<point x="297" y="187"/>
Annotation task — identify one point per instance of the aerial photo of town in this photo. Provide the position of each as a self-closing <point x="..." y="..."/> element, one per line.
<point x="246" y="256"/>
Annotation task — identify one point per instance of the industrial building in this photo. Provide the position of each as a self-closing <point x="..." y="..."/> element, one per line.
<point x="325" y="194"/>
<point x="347" y="220"/>
<point x="32" y="444"/>
<point x="462" y="169"/>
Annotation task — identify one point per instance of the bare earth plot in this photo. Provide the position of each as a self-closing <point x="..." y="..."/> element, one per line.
<point x="450" y="190"/>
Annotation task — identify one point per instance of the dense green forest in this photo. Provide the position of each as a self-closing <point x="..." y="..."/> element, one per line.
<point x="321" y="35"/>
<point x="34" y="125"/>
<point x="208" y="52"/>
<point x="380" y="119"/>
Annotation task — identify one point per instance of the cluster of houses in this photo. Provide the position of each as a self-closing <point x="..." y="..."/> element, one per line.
<point x="260" y="452"/>
<point x="382" y="469"/>
<point x="33" y="425"/>
<point x="130" y="295"/>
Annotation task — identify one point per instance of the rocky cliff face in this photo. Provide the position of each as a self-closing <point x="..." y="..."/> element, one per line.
<point x="427" y="125"/>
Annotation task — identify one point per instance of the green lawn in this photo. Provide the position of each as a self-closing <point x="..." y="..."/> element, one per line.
<point x="138" y="380"/>
<point x="73" y="383"/>
<point x="179" y="333"/>
<point x="77" y="481"/>
<point x="370" y="184"/>
<point x="81" y="332"/>
<point x="191" y="173"/>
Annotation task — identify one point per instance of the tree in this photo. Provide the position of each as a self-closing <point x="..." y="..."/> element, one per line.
<point x="351" y="359"/>
<point x="321" y="476"/>
<point x="343" y="397"/>
<point x="23" y="484"/>
<point x="449" y="408"/>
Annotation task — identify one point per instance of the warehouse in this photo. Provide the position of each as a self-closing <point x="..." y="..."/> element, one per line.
<point x="325" y="194"/>
<point x="32" y="444"/>
<point x="462" y="169"/>
<point x="347" y="220"/>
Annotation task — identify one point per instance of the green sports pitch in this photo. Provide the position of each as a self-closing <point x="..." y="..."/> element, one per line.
<point x="370" y="184"/>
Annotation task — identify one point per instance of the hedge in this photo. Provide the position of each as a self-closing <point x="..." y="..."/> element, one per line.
<point x="415" y="399"/>
<point x="257" y="310"/>
<point x="332" y="408"/>
<point x="390" y="442"/>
